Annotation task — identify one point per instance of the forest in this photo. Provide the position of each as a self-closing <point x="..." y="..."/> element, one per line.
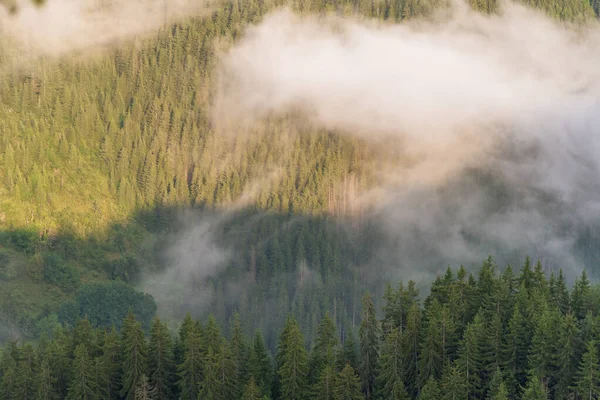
<point x="496" y="335"/>
<point x="101" y="161"/>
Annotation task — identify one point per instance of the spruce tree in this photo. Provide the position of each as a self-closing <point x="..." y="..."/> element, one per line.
<point x="470" y="358"/>
<point x="324" y="389"/>
<point x="348" y="385"/>
<point x="82" y="384"/>
<point x="391" y="368"/>
<point x="161" y="363"/>
<point x="566" y="357"/>
<point x="454" y="385"/>
<point x="411" y="349"/>
<point x="348" y="353"/>
<point x="323" y="350"/>
<point x="515" y="352"/>
<point x="294" y="364"/>
<point x="369" y="345"/>
<point x="134" y="355"/>
<point x="45" y="382"/>
<point x="8" y="385"/>
<point x="251" y="391"/>
<point x="431" y="391"/>
<point x="534" y="389"/>
<point x="239" y="355"/>
<point x="431" y="352"/>
<point x="110" y="362"/>
<point x="260" y="365"/>
<point x="143" y="390"/>
<point x="587" y="381"/>
<point x="209" y="387"/>
<point x="190" y="371"/>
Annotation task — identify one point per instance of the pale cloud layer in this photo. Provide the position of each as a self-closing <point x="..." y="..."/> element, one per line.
<point x="511" y="98"/>
<point x="63" y="27"/>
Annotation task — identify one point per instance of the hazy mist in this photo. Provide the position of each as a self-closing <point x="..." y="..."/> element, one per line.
<point x="499" y="115"/>
<point x="63" y="27"/>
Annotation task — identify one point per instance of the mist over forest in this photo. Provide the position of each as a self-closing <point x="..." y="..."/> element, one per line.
<point x="195" y="172"/>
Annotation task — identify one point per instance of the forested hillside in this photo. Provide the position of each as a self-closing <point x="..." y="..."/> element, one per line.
<point x="499" y="335"/>
<point x="99" y="156"/>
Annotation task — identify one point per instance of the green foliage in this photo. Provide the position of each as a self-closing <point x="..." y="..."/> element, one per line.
<point x="293" y="370"/>
<point x="348" y="385"/>
<point x="107" y="304"/>
<point x="369" y="345"/>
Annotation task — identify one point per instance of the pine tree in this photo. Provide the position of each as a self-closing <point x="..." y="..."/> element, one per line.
<point x="294" y="364"/>
<point x="134" y="355"/>
<point x="587" y="382"/>
<point x="82" y="384"/>
<point x="348" y="385"/>
<point x="369" y="346"/>
<point x="161" y="363"/>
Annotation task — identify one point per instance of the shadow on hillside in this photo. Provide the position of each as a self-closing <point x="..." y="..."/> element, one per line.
<point x="260" y="264"/>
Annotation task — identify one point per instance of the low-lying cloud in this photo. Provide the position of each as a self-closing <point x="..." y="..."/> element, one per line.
<point x="499" y="114"/>
<point x="64" y="27"/>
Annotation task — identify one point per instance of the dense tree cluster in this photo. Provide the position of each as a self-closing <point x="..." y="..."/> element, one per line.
<point x="497" y="335"/>
<point x="97" y="156"/>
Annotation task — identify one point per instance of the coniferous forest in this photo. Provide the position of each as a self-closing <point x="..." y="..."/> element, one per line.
<point x="101" y="157"/>
<point x="496" y="335"/>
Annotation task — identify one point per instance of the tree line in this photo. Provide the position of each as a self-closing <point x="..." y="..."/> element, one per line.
<point x="496" y="335"/>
